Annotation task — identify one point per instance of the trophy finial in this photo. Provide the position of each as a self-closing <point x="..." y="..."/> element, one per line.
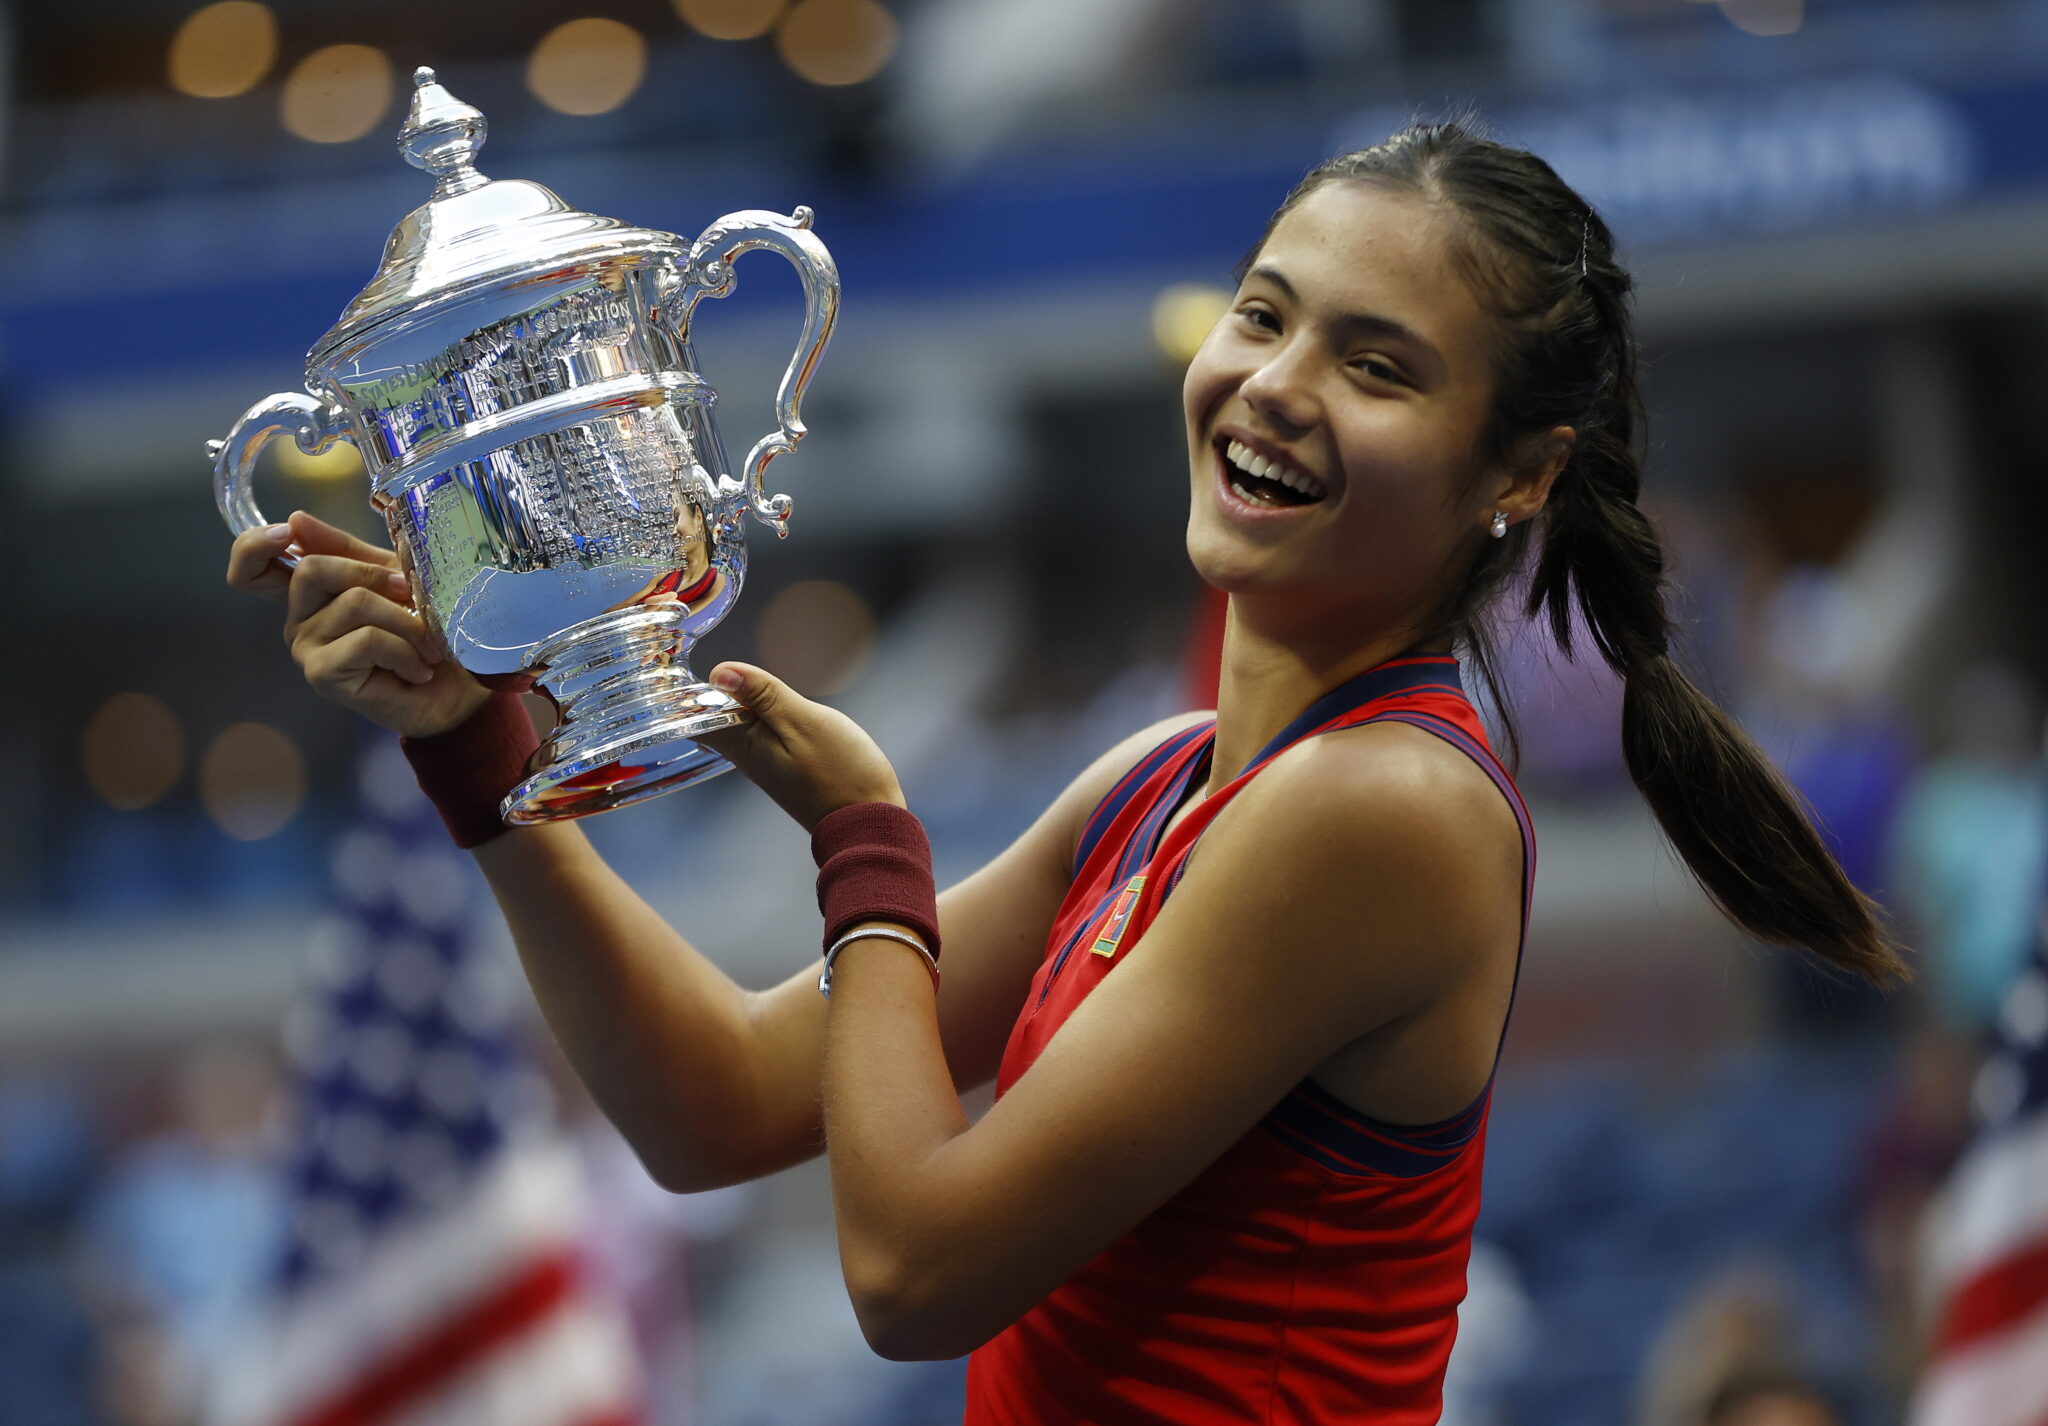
<point x="442" y="135"/>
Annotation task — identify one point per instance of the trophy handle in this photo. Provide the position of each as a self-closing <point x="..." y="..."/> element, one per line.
<point x="316" y="425"/>
<point x="707" y="272"/>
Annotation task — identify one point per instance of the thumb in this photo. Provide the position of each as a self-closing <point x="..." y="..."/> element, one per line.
<point x="770" y="698"/>
<point x="316" y="537"/>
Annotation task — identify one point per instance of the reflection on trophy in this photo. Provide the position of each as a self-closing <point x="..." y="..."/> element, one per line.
<point x="519" y="378"/>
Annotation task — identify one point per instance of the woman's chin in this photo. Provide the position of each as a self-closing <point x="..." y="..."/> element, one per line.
<point x="1231" y="571"/>
<point x="1215" y="566"/>
<point x="1227" y="564"/>
<point x="1255" y="580"/>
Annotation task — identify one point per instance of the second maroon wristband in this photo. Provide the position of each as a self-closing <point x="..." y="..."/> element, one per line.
<point x="875" y="864"/>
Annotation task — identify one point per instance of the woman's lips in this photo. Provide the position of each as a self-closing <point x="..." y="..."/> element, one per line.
<point x="1236" y="507"/>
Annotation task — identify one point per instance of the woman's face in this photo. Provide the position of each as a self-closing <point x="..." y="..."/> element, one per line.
<point x="1352" y="373"/>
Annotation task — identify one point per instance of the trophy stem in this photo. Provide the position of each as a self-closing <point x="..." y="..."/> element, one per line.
<point x="630" y="711"/>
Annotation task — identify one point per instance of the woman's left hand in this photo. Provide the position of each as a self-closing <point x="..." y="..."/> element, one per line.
<point x="811" y="759"/>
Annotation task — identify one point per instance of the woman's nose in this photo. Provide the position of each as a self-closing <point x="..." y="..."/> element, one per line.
<point x="1280" y="389"/>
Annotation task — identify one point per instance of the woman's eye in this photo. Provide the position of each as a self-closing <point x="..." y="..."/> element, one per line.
<point x="1259" y="317"/>
<point x="1379" y="370"/>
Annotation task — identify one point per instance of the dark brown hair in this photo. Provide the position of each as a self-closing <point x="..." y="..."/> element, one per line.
<point x="1542" y="261"/>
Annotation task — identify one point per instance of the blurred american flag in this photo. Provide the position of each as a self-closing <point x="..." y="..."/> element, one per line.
<point x="1988" y="1235"/>
<point x="432" y="1275"/>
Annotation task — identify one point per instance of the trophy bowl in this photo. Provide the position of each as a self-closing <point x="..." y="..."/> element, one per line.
<point x="519" y="380"/>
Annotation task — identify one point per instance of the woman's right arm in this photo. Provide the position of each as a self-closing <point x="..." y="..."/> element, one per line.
<point x="710" y="1083"/>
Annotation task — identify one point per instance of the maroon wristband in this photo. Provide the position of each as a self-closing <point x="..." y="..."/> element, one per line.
<point x="875" y="864"/>
<point x="467" y="770"/>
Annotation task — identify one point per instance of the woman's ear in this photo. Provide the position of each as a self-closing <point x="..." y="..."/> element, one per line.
<point x="1533" y="465"/>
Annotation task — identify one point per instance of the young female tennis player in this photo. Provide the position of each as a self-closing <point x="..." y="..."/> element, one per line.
<point x="1242" y="986"/>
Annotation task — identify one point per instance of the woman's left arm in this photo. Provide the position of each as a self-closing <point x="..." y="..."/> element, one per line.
<point x="1304" y="923"/>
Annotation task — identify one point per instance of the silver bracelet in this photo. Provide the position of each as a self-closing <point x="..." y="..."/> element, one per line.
<point x="832" y="953"/>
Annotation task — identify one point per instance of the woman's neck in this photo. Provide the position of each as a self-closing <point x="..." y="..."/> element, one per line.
<point x="1269" y="677"/>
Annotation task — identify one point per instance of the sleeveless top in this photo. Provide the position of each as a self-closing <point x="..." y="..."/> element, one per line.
<point x="1312" y="1273"/>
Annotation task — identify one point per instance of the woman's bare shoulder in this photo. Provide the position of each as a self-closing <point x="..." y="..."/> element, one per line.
<point x="1390" y="782"/>
<point x="1382" y="859"/>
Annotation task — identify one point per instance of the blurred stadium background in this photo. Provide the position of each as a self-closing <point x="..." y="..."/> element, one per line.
<point x="1705" y="1162"/>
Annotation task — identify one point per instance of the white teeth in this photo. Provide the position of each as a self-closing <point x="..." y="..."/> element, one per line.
<point x="1242" y="456"/>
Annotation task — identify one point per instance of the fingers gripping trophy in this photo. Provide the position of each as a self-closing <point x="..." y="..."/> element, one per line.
<point x="520" y="381"/>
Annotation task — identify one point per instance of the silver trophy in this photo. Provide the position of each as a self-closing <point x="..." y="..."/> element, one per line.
<point x="519" y="379"/>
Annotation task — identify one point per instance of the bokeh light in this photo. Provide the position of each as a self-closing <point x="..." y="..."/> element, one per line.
<point x="223" y="50"/>
<point x="816" y="636"/>
<point x="252" y="781"/>
<point x="1765" y="17"/>
<point x="133" y="751"/>
<point x="337" y="94"/>
<point x="836" y="41"/>
<point x="338" y="462"/>
<point x="588" y="66"/>
<point x="1183" y="315"/>
<point x="731" y="19"/>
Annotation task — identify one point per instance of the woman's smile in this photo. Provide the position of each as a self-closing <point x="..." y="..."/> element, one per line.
<point x="1266" y="474"/>
<point x="1257" y="482"/>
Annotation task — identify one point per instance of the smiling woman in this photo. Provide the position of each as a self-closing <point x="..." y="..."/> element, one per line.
<point x="1242" y="987"/>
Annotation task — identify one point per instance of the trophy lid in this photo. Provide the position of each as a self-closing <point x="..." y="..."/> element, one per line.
<point x="474" y="232"/>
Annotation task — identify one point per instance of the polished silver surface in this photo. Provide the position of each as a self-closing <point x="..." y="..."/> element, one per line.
<point x="520" y="381"/>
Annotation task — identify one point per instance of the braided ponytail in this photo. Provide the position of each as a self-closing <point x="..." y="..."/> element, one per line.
<point x="1740" y="828"/>
<point x="1543" y="261"/>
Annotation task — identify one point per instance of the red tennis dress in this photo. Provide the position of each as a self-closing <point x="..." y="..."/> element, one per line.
<point x="1312" y="1274"/>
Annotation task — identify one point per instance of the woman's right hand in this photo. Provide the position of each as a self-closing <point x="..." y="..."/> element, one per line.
<point x="350" y="627"/>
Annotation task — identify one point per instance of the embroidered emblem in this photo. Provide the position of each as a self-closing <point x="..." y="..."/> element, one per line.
<point x="1118" y="918"/>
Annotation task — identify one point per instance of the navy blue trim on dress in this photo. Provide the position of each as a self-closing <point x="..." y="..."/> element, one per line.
<point x="1144" y="840"/>
<point x="1322" y="1127"/>
<point x="1127" y="786"/>
<point x="1060" y="961"/>
<point x="1443" y="1134"/>
<point x="1408" y="674"/>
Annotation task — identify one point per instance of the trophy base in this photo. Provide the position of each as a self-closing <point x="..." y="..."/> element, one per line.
<point x="631" y="712"/>
<point x="656" y="757"/>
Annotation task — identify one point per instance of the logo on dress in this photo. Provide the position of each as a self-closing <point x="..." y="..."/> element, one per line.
<point x="1119" y="917"/>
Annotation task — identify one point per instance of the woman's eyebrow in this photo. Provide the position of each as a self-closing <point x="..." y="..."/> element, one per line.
<point x="1356" y="324"/>
<point x="1272" y="275"/>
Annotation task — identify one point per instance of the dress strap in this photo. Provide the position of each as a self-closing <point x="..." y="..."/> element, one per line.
<point x="1420" y="673"/>
<point x="1128" y="786"/>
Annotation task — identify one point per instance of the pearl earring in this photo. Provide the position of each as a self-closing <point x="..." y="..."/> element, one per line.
<point x="1500" y="523"/>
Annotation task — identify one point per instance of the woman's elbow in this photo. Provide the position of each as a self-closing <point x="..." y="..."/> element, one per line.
<point x="679" y="1171"/>
<point x="910" y="1317"/>
<point x="682" y="1167"/>
<point x="685" y="1178"/>
<point x="902" y="1336"/>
